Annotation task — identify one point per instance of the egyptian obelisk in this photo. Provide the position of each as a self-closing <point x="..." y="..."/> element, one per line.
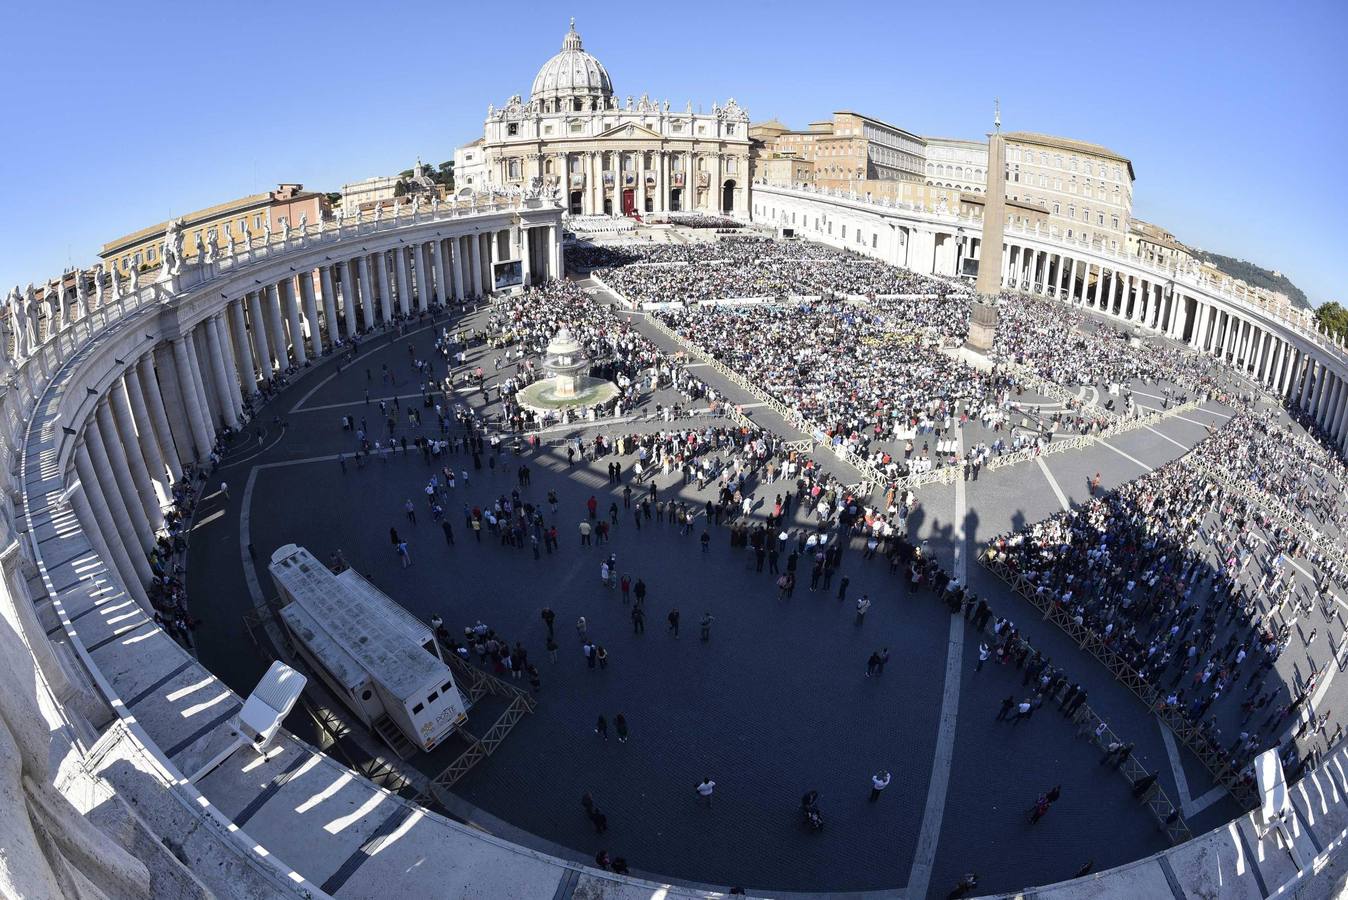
<point x="983" y="322"/>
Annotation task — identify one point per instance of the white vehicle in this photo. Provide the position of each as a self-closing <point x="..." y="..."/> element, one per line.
<point x="379" y="659"/>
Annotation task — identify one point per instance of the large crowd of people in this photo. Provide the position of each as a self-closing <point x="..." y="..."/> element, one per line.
<point x="743" y="266"/>
<point x="1184" y="578"/>
<point x="1064" y="346"/>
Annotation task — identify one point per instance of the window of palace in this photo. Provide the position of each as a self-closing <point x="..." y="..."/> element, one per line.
<point x="257" y="221"/>
<point x="702" y="129"/>
<point x="547" y="129"/>
<point x="512" y="129"/>
<point x="1056" y="209"/>
<point x="844" y="232"/>
<point x="1115" y="220"/>
<point x="576" y="127"/>
<point x="513" y="167"/>
<point x="730" y="129"/>
<point x="1074" y="164"/>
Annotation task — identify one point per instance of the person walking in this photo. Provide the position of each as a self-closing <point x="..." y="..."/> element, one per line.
<point x="588" y="649"/>
<point x="551" y="647"/>
<point x="638" y="620"/>
<point x="673" y="619"/>
<point x="224" y="491"/>
<point x="1040" y="807"/>
<point x="449" y="531"/>
<point x="1007" y="705"/>
<point x="705" y="789"/>
<point x="411" y="512"/>
<point x="863" y="604"/>
<point x="581" y="627"/>
<point x="602" y="655"/>
<point x="983" y="654"/>
<point x="548" y="618"/>
<point x="872" y="664"/>
<point x="842" y="588"/>
<point x="405" y="554"/>
<point x="601" y="727"/>
<point x="879" y="781"/>
<point x="706" y="626"/>
<point x="620" y="725"/>
<point x="639" y="592"/>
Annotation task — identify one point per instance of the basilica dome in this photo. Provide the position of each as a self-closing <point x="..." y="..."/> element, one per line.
<point x="572" y="73"/>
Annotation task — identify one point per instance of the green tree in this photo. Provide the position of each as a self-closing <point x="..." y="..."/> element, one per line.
<point x="1333" y="318"/>
<point x="334" y="197"/>
<point x="400" y="188"/>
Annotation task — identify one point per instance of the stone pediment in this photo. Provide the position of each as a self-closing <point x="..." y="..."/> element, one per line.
<point x="630" y="131"/>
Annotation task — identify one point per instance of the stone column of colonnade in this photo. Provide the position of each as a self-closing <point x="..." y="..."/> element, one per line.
<point x="96" y="515"/>
<point x="384" y="285"/>
<point x="286" y="290"/>
<point x="131" y="447"/>
<point x="366" y="292"/>
<point x="346" y="270"/>
<point x="243" y="357"/>
<point x="107" y="447"/>
<point x="328" y="285"/>
<point x="258" y="335"/>
<point x="422" y="294"/>
<point x="310" y="303"/>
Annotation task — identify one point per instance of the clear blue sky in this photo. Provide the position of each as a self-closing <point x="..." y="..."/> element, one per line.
<point x="118" y="117"/>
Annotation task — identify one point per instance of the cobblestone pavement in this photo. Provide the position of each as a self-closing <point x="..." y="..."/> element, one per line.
<point x="774" y="704"/>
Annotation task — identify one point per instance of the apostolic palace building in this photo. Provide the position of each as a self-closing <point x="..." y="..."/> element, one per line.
<point x="606" y="154"/>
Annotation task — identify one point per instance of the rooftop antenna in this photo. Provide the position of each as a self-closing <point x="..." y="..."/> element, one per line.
<point x="997" y="114"/>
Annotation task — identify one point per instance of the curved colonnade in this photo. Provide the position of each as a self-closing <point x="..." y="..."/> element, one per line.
<point x="1281" y="352"/>
<point x="102" y="416"/>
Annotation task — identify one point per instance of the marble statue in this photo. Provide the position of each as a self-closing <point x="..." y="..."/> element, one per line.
<point x="199" y="247"/>
<point x="358" y="217"/>
<point x="50" y="308"/>
<point x="133" y="280"/>
<point x="18" y="318"/>
<point x="339" y="215"/>
<point x="6" y="333"/>
<point x="285" y="229"/>
<point x="416" y="205"/>
<point x="100" y="298"/>
<point x="435" y="204"/>
<point x="172" y="250"/>
<point x="81" y="296"/>
<point x="304" y="222"/>
<point x="229" y="241"/>
<point x="266" y="231"/>
<point x="378" y="210"/>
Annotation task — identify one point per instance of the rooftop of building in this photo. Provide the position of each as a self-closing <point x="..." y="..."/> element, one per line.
<point x="285" y="191"/>
<point x="1048" y="140"/>
<point x="881" y="122"/>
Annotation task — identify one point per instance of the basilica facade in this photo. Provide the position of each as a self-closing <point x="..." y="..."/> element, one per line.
<point x="608" y="156"/>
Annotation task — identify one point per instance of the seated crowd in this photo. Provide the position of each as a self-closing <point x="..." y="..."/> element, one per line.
<point x="1181" y="577"/>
